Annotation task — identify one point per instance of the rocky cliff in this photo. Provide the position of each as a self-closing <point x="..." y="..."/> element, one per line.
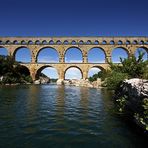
<point x="132" y="99"/>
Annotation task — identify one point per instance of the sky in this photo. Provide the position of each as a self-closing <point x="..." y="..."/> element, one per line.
<point x="73" y="18"/>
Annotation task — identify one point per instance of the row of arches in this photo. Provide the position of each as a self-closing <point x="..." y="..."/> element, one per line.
<point x="73" y="72"/>
<point x="73" y="42"/>
<point x="72" y="55"/>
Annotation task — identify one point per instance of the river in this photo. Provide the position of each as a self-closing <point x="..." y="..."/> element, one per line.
<point x="40" y="116"/>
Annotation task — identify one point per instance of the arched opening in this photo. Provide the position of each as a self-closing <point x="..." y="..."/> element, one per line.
<point x="104" y="42"/>
<point x="3" y="51"/>
<point x="112" y="42"/>
<point x="65" y="42"/>
<point x="22" y="55"/>
<point x="118" y="53"/>
<point x="142" y="50"/>
<point x="94" y="73"/>
<point x="73" y="73"/>
<point x="96" y="42"/>
<point x="127" y="42"/>
<point x="24" y="70"/>
<point x="47" y="55"/>
<point x="73" y="55"/>
<point x="47" y="74"/>
<point x="96" y="55"/>
<point x="120" y="42"/>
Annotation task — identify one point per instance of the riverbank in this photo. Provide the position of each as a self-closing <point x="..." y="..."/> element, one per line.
<point x="132" y="100"/>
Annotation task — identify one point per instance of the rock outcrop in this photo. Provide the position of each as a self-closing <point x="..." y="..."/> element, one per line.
<point x="81" y="83"/>
<point x="132" y="99"/>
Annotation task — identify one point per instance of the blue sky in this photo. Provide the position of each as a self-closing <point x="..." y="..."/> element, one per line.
<point x="73" y="18"/>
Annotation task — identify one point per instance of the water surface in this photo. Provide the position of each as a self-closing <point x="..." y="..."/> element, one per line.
<point x="45" y="116"/>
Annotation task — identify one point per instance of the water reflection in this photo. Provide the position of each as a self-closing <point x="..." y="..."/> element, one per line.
<point x="58" y="116"/>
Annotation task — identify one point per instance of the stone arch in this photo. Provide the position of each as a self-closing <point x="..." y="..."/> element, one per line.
<point x="23" y="42"/>
<point x="65" y="42"/>
<point x="73" y="73"/>
<point x="58" y="42"/>
<point x="24" y="70"/>
<point x="40" y="69"/>
<point x="51" y="42"/>
<point x="124" y="53"/>
<point x="3" y="51"/>
<point x="37" y="42"/>
<point x="127" y="42"/>
<point x="81" y="42"/>
<point x="49" y="48"/>
<point x="89" y="42"/>
<point x="135" y="42"/>
<point x="44" y="42"/>
<point x="100" y="68"/>
<point x="73" y="42"/>
<point x="112" y="42"/>
<point x="104" y="42"/>
<point x="73" y="47"/>
<point x="8" y="42"/>
<point x="143" y="49"/>
<point x="15" y="42"/>
<point x="120" y="42"/>
<point x="96" y="42"/>
<point x="25" y="58"/>
<point x="103" y="54"/>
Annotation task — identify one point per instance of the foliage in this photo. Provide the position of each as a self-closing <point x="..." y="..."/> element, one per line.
<point x="12" y="71"/>
<point x="129" y="68"/>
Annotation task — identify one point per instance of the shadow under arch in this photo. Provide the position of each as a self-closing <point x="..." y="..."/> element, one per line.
<point x="24" y="70"/>
<point x="73" y="66"/>
<point x="99" y="49"/>
<point x="50" y="49"/>
<point x="75" y="48"/>
<point x="115" y="56"/>
<point x="39" y="70"/>
<point x="27" y="49"/>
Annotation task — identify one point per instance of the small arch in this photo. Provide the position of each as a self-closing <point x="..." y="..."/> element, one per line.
<point x="81" y="42"/>
<point x="37" y="42"/>
<point x="30" y="42"/>
<point x="47" y="55"/>
<point x="96" y="55"/>
<point x="73" y="72"/>
<point x="58" y="42"/>
<point x="3" y="51"/>
<point x="15" y="42"/>
<point x="89" y="42"/>
<point x="96" y="42"/>
<point x="49" y="73"/>
<point x="1" y="42"/>
<point x="23" y="42"/>
<point x="51" y="42"/>
<point x="73" y="55"/>
<point x="44" y="42"/>
<point x="120" y="42"/>
<point x="141" y="42"/>
<point x="22" y="54"/>
<point x="73" y="42"/>
<point x="119" y="52"/>
<point x="65" y="42"/>
<point x="8" y="42"/>
<point x="135" y="42"/>
<point x="104" y="42"/>
<point x="112" y="42"/>
<point x="127" y="42"/>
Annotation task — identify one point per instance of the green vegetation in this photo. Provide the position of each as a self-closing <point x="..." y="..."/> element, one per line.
<point x="12" y="72"/>
<point x="129" y="68"/>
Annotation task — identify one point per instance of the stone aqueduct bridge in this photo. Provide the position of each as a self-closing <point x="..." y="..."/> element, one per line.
<point x="62" y="44"/>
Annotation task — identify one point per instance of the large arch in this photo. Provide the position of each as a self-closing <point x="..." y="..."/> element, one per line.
<point x="3" y="51"/>
<point x="73" y="72"/>
<point x="22" y="54"/>
<point x="119" y="52"/>
<point x="96" y="55"/>
<point x="49" y="71"/>
<point x="47" y="55"/>
<point x="73" y="55"/>
<point x="143" y="50"/>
